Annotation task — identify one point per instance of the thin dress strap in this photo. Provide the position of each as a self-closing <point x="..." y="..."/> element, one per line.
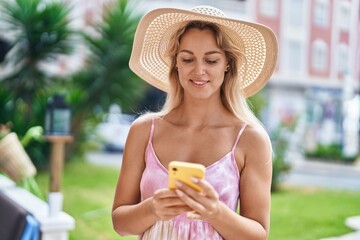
<point x="238" y="136"/>
<point x="152" y="129"/>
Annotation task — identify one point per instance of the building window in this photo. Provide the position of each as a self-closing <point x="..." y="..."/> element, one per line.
<point x="321" y="13"/>
<point x="296" y="13"/>
<point x="343" y="58"/>
<point x="344" y="14"/>
<point x="319" y="55"/>
<point x="268" y="7"/>
<point x="294" y="56"/>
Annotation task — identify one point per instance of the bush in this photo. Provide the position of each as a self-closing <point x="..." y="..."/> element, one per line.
<point x="280" y="142"/>
<point x="279" y="139"/>
<point x="331" y="152"/>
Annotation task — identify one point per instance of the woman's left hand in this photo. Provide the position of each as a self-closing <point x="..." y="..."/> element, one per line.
<point x="206" y="204"/>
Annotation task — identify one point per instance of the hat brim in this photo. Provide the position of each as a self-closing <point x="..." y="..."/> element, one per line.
<point x="257" y="42"/>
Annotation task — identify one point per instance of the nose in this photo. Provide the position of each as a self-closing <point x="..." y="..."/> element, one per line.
<point x="199" y="68"/>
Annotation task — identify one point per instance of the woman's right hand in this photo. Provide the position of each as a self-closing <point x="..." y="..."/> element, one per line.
<point x="166" y="204"/>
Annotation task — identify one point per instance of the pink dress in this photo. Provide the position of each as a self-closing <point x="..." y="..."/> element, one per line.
<point x="223" y="176"/>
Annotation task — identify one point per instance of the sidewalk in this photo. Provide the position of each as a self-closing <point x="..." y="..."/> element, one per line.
<point x="109" y="159"/>
<point x="311" y="173"/>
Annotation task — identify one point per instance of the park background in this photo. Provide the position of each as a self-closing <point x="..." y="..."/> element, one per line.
<point x="80" y="50"/>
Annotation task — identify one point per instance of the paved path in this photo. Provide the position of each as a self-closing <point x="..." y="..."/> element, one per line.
<point x="112" y="159"/>
<point x="327" y="175"/>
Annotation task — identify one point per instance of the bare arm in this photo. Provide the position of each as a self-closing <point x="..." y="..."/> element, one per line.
<point x="130" y="215"/>
<point x="255" y="183"/>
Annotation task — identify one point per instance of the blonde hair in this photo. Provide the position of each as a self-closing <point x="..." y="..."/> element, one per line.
<point x="231" y="93"/>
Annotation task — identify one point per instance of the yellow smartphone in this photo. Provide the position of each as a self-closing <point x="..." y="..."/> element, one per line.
<point x="183" y="171"/>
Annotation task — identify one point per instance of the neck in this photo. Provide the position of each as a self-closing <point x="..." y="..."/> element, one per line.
<point x="200" y="112"/>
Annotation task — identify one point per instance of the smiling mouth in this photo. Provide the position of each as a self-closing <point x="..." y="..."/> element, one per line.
<point x="199" y="83"/>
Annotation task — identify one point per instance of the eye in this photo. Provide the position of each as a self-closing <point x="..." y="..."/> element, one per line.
<point x="212" y="61"/>
<point x="187" y="60"/>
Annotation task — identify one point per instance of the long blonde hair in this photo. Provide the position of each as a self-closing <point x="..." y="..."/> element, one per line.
<point x="231" y="93"/>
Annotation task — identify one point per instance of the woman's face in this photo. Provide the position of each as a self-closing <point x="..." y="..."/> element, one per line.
<point x="201" y="64"/>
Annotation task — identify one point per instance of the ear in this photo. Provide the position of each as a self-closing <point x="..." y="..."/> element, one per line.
<point x="227" y="68"/>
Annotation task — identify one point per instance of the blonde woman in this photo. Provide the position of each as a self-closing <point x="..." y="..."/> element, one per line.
<point x="208" y="64"/>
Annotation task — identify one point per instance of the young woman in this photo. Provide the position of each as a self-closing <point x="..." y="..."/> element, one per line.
<point x="208" y="64"/>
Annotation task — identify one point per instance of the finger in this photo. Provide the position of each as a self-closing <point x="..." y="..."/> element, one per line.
<point x="174" y="211"/>
<point x="192" y="199"/>
<point x="190" y="196"/>
<point x="165" y="193"/>
<point x="169" y="202"/>
<point x="174" y="202"/>
<point x="171" y="212"/>
<point x="207" y="192"/>
<point x="184" y="187"/>
<point x="207" y="189"/>
<point x="200" y="202"/>
<point x="193" y="215"/>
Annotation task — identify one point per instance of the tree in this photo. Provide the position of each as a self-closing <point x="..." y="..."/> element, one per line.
<point x="41" y="32"/>
<point x="37" y="31"/>
<point x="107" y="78"/>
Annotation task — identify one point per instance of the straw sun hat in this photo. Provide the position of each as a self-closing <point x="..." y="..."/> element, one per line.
<point x="257" y="43"/>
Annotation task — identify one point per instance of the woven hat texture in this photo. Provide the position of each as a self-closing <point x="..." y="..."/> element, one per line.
<point x="257" y="42"/>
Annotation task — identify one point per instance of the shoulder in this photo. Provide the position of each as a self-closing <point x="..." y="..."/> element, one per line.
<point x="140" y="128"/>
<point x="255" y="144"/>
<point x="142" y="120"/>
<point x="142" y="124"/>
<point x="255" y="135"/>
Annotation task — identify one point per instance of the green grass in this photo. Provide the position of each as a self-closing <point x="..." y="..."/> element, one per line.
<point x="311" y="213"/>
<point x="300" y="213"/>
<point x="88" y="194"/>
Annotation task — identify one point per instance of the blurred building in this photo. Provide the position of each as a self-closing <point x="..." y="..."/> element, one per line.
<point x="316" y="81"/>
<point x="318" y="68"/>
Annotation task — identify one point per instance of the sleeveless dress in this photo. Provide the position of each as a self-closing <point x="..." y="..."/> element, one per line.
<point x="223" y="175"/>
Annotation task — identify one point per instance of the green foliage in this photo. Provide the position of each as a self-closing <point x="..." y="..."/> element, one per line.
<point x="33" y="134"/>
<point x="41" y="32"/>
<point x="13" y="111"/>
<point x="31" y="185"/>
<point x="279" y="139"/>
<point x="331" y="152"/>
<point x="107" y="77"/>
<point x="280" y="142"/>
<point x="257" y="103"/>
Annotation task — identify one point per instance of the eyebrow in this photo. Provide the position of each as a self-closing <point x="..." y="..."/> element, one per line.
<point x="207" y="53"/>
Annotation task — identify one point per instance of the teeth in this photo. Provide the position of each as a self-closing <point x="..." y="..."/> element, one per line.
<point x="199" y="83"/>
